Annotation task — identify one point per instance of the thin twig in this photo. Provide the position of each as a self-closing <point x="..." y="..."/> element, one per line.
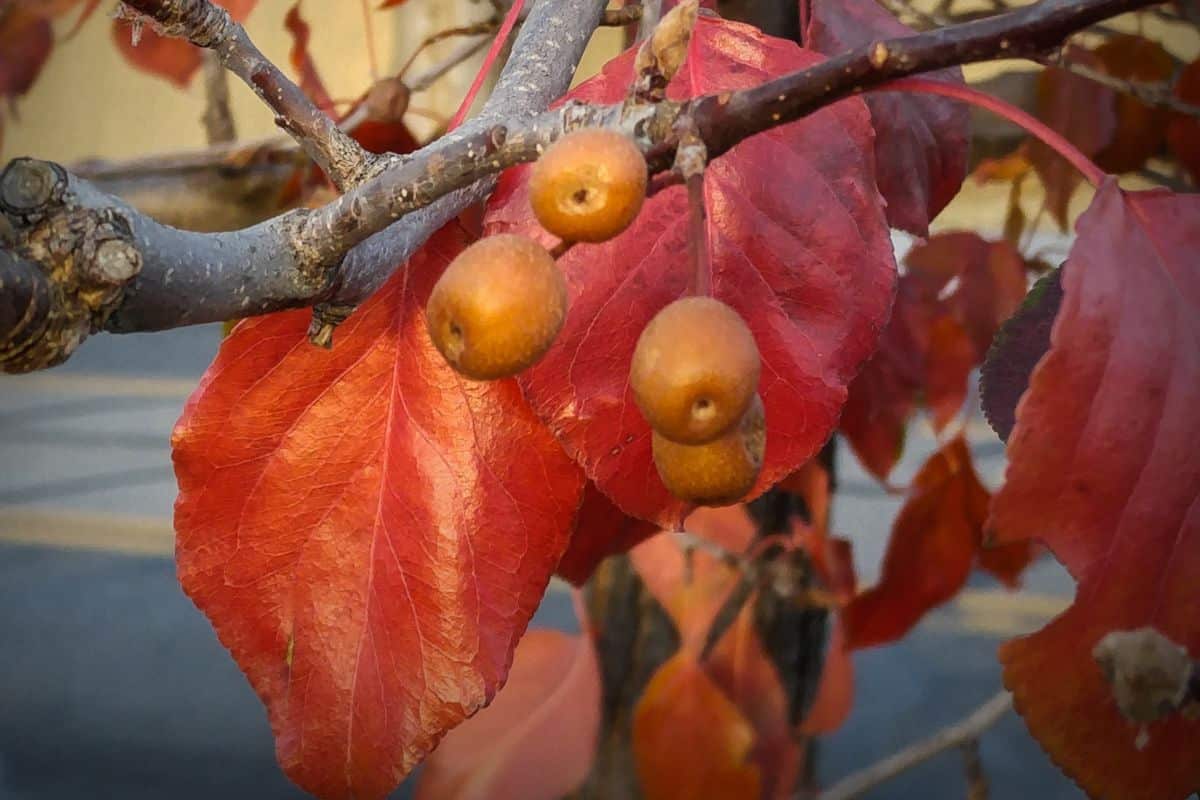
<point x="1152" y="94"/>
<point x="209" y="26"/>
<point x="956" y="735"/>
<point x="369" y="35"/>
<point x="478" y="29"/>
<point x="465" y="51"/>
<point x="217" y="119"/>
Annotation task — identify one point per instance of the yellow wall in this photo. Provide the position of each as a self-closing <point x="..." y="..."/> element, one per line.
<point x="90" y="102"/>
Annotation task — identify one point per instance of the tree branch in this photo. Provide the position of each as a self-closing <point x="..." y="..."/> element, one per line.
<point x="1028" y="32"/>
<point x="209" y="26"/>
<point x="339" y="254"/>
<point x="957" y="735"/>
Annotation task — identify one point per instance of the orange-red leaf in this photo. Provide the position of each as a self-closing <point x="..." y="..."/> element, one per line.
<point x="930" y="552"/>
<point x="1103" y="468"/>
<point x="835" y="691"/>
<point x="740" y="666"/>
<point x="690" y="740"/>
<point x="947" y="368"/>
<point x="537" y="739"/>
<point x="368" y="532"/>
<point x="173" y="59"/>
<point x="810" y="267"/>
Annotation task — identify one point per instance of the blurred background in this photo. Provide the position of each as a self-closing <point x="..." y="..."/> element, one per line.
<point x="113" y="685"/>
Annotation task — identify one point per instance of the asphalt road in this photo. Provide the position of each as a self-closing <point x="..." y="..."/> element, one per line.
<point x="112" y="685"/>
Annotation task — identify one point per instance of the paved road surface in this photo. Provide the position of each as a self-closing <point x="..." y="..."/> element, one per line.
<point x="113" y="686"/>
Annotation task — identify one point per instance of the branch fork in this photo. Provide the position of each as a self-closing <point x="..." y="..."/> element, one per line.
<point x="341" y="253"/>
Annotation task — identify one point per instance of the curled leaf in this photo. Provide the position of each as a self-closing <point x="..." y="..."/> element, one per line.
<point x="690" y="740"/>
<point x="537" y="739"/>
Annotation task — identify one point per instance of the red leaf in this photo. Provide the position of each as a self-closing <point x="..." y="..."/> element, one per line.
<point x="930" y="552"/>
<point x="1103" y="469"/>
<point x="26" y="39"/>
<point x="810" y="269"/>
<point x="690" y="740"/>
<point x="1140" y="128"/>
<point x="991" y="280"/>
<point x="882" y="397"/>
<point x="301" y="60"/>
<point x="948" y="366"/>
<point x="537" y="739"/>
<point x="391" y="4"/>
<point x="1082" y="111"/>
<point x="601" y="530"/>
<point x="835" y="691"/>
<point x="920" y="141"/>
<point x="1183" y="134"/>
<point x="174" y="59"/>
<point x="384" y="137"/>
<point x="958" y="290"/>
<point x="368" y="533"/>
<point x="1007" y="562"/>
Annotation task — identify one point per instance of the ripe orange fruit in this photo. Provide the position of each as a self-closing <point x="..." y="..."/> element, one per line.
<point x="720" y="472"/>
<point x="497" y="307"/>
<point x="589" y="185"/>
<point x="695" y="370"/>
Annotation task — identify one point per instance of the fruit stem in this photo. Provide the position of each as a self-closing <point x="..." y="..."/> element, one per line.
<point x="1050" y="137"/>
<point x="510" y="20"/>
<point x="701" y="283"/>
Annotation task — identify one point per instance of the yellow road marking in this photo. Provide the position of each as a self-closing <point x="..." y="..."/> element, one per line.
<point x="87" y="530"/>
<point x="988" y="612"/>
<point x="98" y="385"/>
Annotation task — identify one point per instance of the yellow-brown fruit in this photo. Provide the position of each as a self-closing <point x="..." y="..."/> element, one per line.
<point x="589" y="185"/>
<point x="719" y="473"/>
<point x="695" y="370"/>
<point x="497" y="307"/>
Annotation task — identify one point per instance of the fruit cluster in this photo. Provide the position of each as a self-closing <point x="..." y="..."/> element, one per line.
<point x="500" y="304"/>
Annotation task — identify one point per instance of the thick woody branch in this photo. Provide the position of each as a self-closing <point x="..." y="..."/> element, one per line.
<point x="209" y="26"/>
<point x="339" y="254"/>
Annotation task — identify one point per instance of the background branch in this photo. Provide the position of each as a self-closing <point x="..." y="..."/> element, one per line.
<point x="965" y="731"/>
<point x="217" y="119"/>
